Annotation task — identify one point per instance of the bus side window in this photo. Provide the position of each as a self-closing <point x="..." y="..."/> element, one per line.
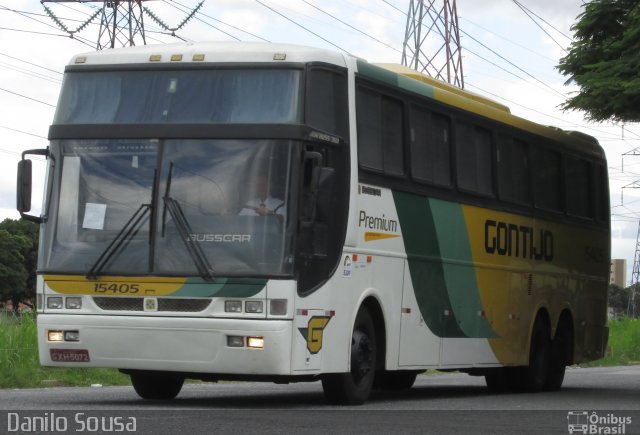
<point x="547" y="179"/>
<point x="513" y="171"/>
<point x="578" y="183"/>
<point x="474" y="159"/>
<point x="327" y="101"/>
<point x="380" y="141"/>
<point x="430" y="148"/>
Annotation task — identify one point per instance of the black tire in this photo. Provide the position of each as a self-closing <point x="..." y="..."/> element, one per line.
<point x="395" y="380"/>
<point x="498" y="380"/>
<point x="156" y="386"/>
<point x="354" y="387"/>
<point x="561" y="355"/>
<point x="533" y="378"/>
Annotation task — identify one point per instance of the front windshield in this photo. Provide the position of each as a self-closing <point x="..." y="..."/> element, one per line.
<point x="172" y="206"/>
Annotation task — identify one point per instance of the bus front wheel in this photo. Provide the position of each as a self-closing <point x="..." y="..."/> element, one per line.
<point x="354" y="387"/>
<point x="156" y="386"/>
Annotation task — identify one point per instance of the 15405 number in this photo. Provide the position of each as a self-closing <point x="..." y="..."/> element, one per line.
<point x="102" y="287"/>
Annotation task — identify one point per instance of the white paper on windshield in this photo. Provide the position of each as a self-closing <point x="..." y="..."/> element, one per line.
<point x="94" y="216"/>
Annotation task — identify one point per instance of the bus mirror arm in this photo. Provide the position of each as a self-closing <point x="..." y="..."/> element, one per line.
<point x="24" y="185"/>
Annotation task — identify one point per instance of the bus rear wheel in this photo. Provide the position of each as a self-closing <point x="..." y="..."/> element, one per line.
<point x="533" y="378"/>
<point x="156" y="386"/>
<point x="354" y="387"/>
<point x="561" y="355"/>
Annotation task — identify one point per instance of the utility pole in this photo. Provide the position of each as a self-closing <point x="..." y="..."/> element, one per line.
<point x="121" y="21"/>
<point x="434" y="28"/>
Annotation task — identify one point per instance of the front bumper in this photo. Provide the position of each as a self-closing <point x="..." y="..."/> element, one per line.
<point x="190" y="345"/>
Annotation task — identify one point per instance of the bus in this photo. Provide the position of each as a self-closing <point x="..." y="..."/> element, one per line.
<point x="271" y="212"/>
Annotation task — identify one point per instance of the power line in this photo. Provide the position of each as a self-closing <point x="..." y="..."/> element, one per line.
<point x="350" y="26"/>
<point x="22" y="131"/>
<point x="525" y="10"/>
<point x="303" y="27"/>
<point x="30" y="63"/>
<point x="28" y="98"/>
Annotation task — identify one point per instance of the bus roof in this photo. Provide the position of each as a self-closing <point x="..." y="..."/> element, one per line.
<point x="200" y="52"/>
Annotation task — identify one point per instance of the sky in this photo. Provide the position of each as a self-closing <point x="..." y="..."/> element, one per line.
<point x="510" y="51"/>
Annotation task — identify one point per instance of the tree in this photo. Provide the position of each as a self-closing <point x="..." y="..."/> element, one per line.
<point x="18" y="261"/>
<point x="604" y="61"/>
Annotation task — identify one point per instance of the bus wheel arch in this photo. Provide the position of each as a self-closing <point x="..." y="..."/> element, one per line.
<point x="354" y="387"/>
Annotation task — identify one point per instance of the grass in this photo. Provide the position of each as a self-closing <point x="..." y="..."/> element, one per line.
<point x="624" y="344"/>
<point x="20" y="367"/>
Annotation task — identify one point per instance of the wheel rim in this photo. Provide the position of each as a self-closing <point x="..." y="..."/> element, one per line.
<point x="361" y="356"/>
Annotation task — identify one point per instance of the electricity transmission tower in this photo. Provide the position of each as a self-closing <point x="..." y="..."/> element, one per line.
<point x="121" y="21"/>
<point x="432" y="40"/>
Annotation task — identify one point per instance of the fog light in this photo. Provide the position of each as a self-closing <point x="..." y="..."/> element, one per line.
<point x="54" y="302"/>
<point x="232" y="306"/>
<point x="73" y="303"/>
<point x="235" y="341"/>
<point x="55" y="336"/>
<point x="71" y="335"/>
<point x="253" y="307"/>
<point x="278" y="307"/>
<point x="255" y="342"/>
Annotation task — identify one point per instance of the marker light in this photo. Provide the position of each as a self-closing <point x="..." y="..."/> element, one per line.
<point x="255" y="342"/>
<point x="73" y="303"/>
<point x="54" y="302"/>
<point x="235" y="341"/>
<point x="253" y="307"/>
<point x="232" y="306"/>
<point x="55" y="336"/>
<point x="278" y="307"/>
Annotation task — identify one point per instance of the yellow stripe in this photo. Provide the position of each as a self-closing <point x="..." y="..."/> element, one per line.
<point x="114" y="285"/>
<point x="371" y="237"/>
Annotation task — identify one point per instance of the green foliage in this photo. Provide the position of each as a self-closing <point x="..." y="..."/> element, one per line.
<point x="604" y="61"/>
<point x="18" y="260"/>
<point x="20" y="367"/>
<point x="624" y="343"/>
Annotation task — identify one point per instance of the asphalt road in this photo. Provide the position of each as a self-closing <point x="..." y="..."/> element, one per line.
<point x="605" y="400"/>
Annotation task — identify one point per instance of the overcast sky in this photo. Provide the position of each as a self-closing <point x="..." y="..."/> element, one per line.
<point x="508" y="56"/>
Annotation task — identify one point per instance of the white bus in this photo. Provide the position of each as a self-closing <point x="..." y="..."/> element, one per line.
<point x="281" y="213"/>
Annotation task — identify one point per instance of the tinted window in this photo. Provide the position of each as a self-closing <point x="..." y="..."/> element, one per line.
<point x="578" y="182"/>
<point x="430" y="147"/>
<point x="379" y="132"/>
<point x="547" y="178"/>
<point x="327" y="101"/>
<point x="474" y="159"/>
<point x="513" y="171"/>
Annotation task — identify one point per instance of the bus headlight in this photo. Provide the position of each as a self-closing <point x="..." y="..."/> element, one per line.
<point x="232" y="306"/>
<point x="73" y="303"/>
<point x="253" y="307"/>
<point x="54" y="302"/>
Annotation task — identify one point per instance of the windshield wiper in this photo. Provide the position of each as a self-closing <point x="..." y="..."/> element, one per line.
<point x="186" y="234"/>
<point x="127" y="232"/>
<point x="184" y="230"/>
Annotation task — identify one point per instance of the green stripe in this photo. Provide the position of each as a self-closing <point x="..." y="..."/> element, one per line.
<point x="459" y="273"/>
<point x="394" y="79"/>
<point x="222" y="288"/>
<point x="425" y="264"/>
<point x="441" y="266"/>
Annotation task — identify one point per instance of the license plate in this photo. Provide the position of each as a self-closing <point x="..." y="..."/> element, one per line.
<point x="69" y="355"/>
